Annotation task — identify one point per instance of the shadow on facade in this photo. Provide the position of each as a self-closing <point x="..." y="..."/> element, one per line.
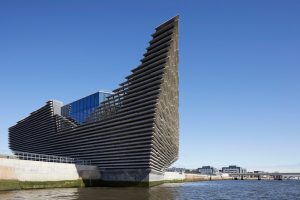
<point x="92" y="177"/>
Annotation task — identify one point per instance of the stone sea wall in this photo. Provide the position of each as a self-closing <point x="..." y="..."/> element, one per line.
<point x="25" y="170"/>
<point x="24" y="174"/>
<point x="199" y="177"/>
<point x="174" y="176"/>
<point x="187" y="177"/>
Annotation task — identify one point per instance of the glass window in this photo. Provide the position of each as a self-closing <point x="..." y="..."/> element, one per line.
<point x="80" y="105"/>
<point x="75" y="107"/>
<point x="88" y="103"/>
<point x="96" y="98"/>
<point x="84" y="104"/>
<point x="101" y="97"/>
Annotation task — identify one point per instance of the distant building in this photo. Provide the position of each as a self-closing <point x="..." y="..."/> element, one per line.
<point x="176" y="169"/>
<point x="257" y="172"/>
<point x="191" y="171"/>
<point x="258" y="176"/>
<point x="207" y="170"/>
<point x="233" y="169"/>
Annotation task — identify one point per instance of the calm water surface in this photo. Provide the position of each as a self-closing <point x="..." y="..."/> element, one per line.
<point x="181" y="191"/>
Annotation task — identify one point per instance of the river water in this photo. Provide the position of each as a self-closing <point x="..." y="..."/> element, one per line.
<point x="254" y="189"/>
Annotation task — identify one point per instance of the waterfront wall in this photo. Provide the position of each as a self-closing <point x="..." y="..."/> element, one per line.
<point x="174" y="176"/>
<point x="187" y="177"/>
<point x="199" y="177"/>
<point x="25" y="170"/>
<point x="25" y="174"/>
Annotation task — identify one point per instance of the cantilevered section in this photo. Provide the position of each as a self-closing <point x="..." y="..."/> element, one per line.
<point x="136" y="129"/>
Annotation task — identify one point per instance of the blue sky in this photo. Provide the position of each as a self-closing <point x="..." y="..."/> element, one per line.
<point x="239" y="69"/>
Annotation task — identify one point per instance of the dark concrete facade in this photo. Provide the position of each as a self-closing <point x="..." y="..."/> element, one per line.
<point x="135" y="131"/>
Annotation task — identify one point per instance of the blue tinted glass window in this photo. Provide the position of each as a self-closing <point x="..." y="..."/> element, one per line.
<point x="82" y="116"/>
<point x="80" y="105"/>
<point x="81" y="109"/>
<point x="97" y="99"/>
<point x="74" y="107"/>
<point x="88" y="103"/>
<point x="100" y="97"/>
<point x="91" y="101"/>
<point x="77" y="105"/>
<point x="84" y="103"/>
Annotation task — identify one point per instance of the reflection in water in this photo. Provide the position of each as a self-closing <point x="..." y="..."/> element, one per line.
<point x="246" y="190"/>
<point x="113" y="193"/>
<point x="103" y="193"/>
<point x="47" y="194"/>
<point x="130" y="193"/>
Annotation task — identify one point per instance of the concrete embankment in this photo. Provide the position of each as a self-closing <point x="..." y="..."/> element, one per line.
<point x="23" y="174"/>
<point x="173" y="177"/>
<point x="198" y="177"/>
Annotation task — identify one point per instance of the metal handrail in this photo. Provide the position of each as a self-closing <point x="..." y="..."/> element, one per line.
<point x="45" y="158"/>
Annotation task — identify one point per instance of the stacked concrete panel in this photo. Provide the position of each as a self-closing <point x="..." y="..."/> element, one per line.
<point x="134" y="130"/>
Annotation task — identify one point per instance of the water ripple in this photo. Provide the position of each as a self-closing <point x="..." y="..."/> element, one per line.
<point x="210" y="190"/>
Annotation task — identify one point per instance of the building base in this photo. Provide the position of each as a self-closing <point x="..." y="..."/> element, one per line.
<point x="126" y="177"/>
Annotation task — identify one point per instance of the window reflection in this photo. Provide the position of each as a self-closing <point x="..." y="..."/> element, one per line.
<point x="81" y="109"/>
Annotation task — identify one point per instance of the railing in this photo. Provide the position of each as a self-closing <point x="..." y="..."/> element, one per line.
<point x="45" y="158"/>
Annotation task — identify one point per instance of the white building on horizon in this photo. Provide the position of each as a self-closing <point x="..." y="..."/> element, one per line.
<point x="207" y="170"/>
<point x="233" y="169"/>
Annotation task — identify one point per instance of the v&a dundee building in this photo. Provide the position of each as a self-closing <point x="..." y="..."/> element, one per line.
<point x="131" y="133"/>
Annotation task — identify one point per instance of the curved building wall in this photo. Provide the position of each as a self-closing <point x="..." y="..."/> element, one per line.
<point x="136" y="128"/>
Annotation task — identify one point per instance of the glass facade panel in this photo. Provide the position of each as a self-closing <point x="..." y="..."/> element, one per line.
<point x="81" y="109"/>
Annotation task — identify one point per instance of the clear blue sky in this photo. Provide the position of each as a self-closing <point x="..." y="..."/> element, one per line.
<point x="239" y="68"/>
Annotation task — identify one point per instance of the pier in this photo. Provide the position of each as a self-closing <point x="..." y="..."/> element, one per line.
<point x="259" y="176"/>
